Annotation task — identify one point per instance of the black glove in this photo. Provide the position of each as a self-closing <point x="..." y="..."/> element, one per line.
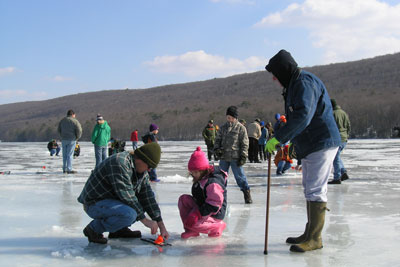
<point x="241" y="161"/>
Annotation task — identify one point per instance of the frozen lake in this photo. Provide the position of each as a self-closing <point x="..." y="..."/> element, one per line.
<point x="41" y="222"/>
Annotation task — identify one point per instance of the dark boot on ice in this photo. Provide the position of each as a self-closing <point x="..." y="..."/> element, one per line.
<point x="247" y="197"/>
<point x="93" y="236"/>
<point x="335" y="182"/>
<point x="125" y="233"/>
<point x="316" y="224"/>
<point x="344" y="177"/>
<point x="303" y="237"/>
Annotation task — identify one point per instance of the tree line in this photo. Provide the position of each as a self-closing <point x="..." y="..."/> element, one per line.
<point x="367" y="90"/>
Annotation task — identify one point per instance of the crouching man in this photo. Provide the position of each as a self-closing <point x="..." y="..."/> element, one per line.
<point x="118" y="193"/>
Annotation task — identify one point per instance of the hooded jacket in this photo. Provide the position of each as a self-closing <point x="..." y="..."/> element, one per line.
<point x="342" y="122"/>
<point x="310" y="123"/>
<point x="101" y="134"/>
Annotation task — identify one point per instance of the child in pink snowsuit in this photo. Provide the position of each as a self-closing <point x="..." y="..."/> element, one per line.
<point x="204" y="210"/>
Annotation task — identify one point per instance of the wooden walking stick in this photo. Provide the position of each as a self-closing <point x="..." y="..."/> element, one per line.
<point x="267" y="212"/>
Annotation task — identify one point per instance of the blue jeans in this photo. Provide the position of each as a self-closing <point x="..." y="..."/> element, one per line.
<point x="338" y="167"/>
<point x="283" y="166"/>
<point x="100" y="152"/>
<point x="55" y="151"/>
<point x="238" y="173"/>
<point x="110" y="215"/>
<point x="134" y="145"/>
<point x="67" y="153"/>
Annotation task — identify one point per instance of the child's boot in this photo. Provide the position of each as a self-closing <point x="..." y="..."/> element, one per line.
<point x="219" y="228"/>
<point x="188" y="233"/>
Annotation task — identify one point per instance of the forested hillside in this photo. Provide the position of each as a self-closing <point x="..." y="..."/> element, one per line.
<point x="368" y="90"/>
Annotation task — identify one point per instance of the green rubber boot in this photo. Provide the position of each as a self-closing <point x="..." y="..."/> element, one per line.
<point x="303" y="237"/>
<point x="316" y="224"/>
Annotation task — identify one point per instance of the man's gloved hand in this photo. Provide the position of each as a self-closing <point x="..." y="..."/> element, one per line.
<point x="192" y="218"/>
<point x="271" y="145"/>
<point x="218" y="152"/>
<point x="241" y="161"/>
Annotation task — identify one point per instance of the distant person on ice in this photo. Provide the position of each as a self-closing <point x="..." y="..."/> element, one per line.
<point x="231" y="147"/>
<point x="312" y="129"/>
<point x="254" y="133"/>
<point x="134" y="139"/>
<point x="53" y="147"/>
<point x="343" y="124"/>
<point x="204" y="210"/>
<point x="118" y="193"/>
<point x="77" y="150"/>
<point x="209" y="134"/>
<point x="100" y="136"/>
<point x="148" y="138"/>
<point x="70" y="131"/>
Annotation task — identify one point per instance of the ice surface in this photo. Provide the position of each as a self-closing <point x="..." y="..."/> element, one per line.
<point x="41" y="222"/>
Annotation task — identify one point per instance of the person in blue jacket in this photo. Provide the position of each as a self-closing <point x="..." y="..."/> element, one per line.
<point x="312" y="129"/>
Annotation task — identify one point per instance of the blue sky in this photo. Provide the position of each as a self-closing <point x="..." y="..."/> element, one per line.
<point x="55" y="48"/>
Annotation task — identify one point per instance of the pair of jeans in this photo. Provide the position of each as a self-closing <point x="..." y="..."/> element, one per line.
<point x="238" y="173"/>
<point x="134" y="145"/>
<point x="67" y="153"/>
<point x="100" y="152"/>
<point x="283" y="166"/>
<point x="338" y="167"/>
<point x="110" y="215"/>
<point x="55" y="151"/>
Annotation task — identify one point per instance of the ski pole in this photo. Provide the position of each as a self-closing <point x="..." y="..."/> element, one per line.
<point x="267" y="211"/>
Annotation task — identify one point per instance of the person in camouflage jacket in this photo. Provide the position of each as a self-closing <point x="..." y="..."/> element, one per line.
<point x="118" y="193"/>
<point x="231" y="147"/>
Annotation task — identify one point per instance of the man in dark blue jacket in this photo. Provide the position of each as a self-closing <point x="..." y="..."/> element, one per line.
<point x="312" y="130"/>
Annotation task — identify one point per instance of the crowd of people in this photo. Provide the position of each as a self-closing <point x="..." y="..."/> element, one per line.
<point x="313" y="130"/>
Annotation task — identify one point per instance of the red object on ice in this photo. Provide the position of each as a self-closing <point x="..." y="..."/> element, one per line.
<point x="44" y="167"/>
<point x="159" y="240"/>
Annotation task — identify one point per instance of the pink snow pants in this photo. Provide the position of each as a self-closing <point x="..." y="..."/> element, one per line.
<point x="206" y="224"/>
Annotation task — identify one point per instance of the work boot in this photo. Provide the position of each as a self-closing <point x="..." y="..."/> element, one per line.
<point x="316" y="224"/>
<point x="344" y="177"/>
<point x="125" y="233"/>
<point x="247" y="197"/>
<point x="335" y="182"/>
<point x="93" y="236"/>
<point x="302" y="238"/>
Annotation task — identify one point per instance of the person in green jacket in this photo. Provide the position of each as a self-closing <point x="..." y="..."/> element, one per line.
<point x="343" y="124"/>
<point x="209" y="134"/>
<point x="100" y="137"/>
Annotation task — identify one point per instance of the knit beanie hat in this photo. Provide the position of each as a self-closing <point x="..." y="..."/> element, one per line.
<point x="150" y="153"/>
<point x="198" y="161"/>
<point x="153" y="127"/>
<point x="282" y="66"/>
<point x="232" y="111"/>
<point x="99" y="117"/>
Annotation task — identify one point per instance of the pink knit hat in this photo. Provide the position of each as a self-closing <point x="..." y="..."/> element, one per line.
<point x="198" y="161"/>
